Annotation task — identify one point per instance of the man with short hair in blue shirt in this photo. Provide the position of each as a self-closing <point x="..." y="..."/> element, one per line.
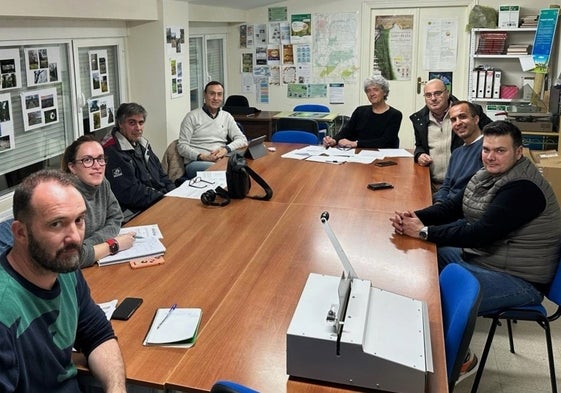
<point x="466" y="159"/>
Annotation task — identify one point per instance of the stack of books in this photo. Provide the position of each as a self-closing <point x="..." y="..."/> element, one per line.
<point x="529" y="21"/>
<point x="519" y="49"/>
<point x="491" y="43"/>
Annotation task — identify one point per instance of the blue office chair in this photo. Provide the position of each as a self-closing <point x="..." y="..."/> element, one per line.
<point x="313" y="108"/>
<point x="291" y="136"/>
<point x="230" y="387"/>
<point x="460" y="296"/>
<point x="528" y="313"/>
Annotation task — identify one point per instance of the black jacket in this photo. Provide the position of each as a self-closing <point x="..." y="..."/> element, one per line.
<point x="137" y="180"/>
<point x="420" y="122"/>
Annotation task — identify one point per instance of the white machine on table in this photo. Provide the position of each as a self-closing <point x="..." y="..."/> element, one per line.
<point x="370" y="337"/>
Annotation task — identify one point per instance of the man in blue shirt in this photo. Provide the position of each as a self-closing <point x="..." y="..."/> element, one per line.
<point x="45" y="303"/>
<point x="466" y="159"/>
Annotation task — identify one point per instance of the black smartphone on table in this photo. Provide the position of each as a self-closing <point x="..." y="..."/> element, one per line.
<point x="126" y="308"/>
<point x="379" y="186"/>
<point x="385" y="163"/>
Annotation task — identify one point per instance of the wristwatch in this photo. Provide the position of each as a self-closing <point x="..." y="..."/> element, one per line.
<point x="113" y="246"/>
<point x="424" y="233"/>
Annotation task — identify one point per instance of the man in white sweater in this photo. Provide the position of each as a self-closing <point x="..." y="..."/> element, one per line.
<point x="207" y="134"/>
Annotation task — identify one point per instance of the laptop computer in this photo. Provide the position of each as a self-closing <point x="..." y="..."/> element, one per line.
<point x="255" y="148"/>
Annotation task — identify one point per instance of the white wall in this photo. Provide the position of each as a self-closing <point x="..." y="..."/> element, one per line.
<point x="150" y="73"/>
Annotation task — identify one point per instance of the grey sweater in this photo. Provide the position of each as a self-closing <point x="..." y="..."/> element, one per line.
<point x="103" y="218"/>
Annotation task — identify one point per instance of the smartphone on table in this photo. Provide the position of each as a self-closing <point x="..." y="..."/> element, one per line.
<point x="379" y="186"/>
<point x="126" y="308"/>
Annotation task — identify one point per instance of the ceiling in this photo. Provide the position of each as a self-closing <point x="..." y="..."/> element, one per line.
<point x="237" y="4"/>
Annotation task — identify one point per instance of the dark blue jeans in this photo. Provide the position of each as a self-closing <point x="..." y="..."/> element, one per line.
<point x="498" y="289"/>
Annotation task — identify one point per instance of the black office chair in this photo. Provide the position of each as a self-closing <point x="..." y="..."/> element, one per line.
<point x="296" y="124"/>
<point x="236" y="100"/>
<point x="238" y="105"/>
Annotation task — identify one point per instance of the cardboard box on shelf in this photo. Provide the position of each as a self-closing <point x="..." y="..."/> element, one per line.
<point x="549" y="163"/>
<point x="533" y="125"/>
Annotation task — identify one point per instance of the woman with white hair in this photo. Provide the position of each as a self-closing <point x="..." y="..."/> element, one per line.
<point x="375" y="125"/>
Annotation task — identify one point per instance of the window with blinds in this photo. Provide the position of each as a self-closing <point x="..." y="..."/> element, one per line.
<point x="33" y="149"/>
<point x="206" y="63"/>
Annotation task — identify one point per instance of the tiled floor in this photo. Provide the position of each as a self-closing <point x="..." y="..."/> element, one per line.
<point x="525" y="371"/>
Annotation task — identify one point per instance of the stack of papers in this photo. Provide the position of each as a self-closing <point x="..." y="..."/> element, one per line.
<point x="336" y="155"/>
<point x="147" y="243"/>
<point x="209" y="180"/>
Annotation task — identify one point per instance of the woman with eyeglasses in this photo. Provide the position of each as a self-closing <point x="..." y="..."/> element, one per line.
<point x="85" y="159"/>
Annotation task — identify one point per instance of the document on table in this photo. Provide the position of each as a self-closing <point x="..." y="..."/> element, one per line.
<point x="140" y="248"/>
<point x="143" y="231"/>
<point x="209" y="181"/>
<point x="305" y="152"/>
<point x="108" y="308"/>
<point x="395" y="153"/>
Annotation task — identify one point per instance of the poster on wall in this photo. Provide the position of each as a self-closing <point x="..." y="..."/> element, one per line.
<point x="393" y="46"/>
<point x="301" y="28"/>
<point x="99" y="77"/>
<point x="243" y="36"/>
<point x="6" y="123"/>
<point x="440" y="44"/>
<point x="39" y="108"/>
<point x="42" y="65"/>
<point x="101" y="112"/>
<point x="247" y="62"/>
<point x="175" y="39"/>
<point x="176" y="69"/>
<point x="10" y="73"/>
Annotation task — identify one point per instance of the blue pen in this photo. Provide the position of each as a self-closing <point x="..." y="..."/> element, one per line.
<point x="167" y="315"/>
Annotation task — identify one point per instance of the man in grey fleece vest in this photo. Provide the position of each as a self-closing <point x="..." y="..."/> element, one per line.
<point x="511" y="236"/>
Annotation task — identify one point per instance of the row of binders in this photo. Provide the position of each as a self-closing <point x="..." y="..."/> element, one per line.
<point x="486" y="83"/>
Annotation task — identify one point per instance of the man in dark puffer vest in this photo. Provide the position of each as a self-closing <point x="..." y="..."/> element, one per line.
<point x="511" y="236"/>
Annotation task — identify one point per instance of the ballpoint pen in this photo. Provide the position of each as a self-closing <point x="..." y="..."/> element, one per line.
<point x="167" y="315"/>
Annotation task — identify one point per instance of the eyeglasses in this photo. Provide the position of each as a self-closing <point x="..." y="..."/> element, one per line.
<point x="344" y="148"/>
<point x="88" y="161"/>
<point x="194" y="182"/>
<point x="435" y="94"/>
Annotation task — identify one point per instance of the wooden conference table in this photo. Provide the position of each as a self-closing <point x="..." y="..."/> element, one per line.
<point x="246" y="264"/>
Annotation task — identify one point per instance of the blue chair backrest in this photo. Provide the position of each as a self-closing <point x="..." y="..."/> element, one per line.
<point x="460" y="296"/>
<point x="289" y="136"/>
<point x="311" y="108"/>
<point x="230" y="387"/>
